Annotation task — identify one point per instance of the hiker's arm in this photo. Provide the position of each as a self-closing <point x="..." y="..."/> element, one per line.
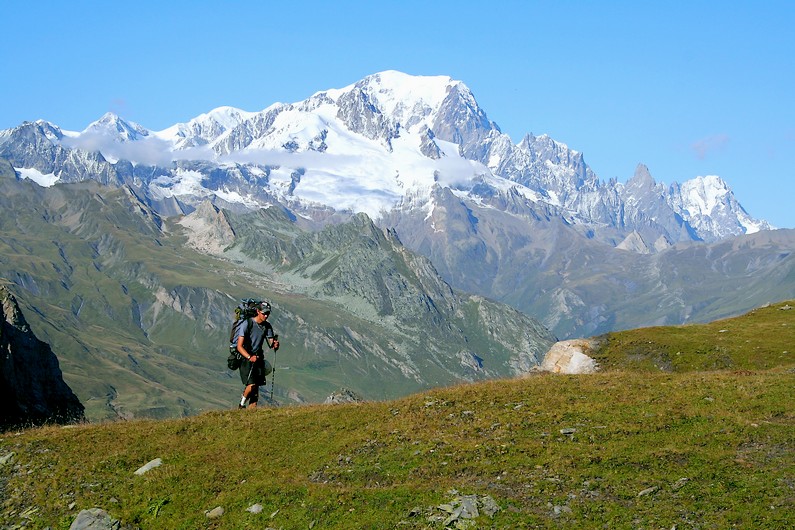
<point x="243" y="351"/>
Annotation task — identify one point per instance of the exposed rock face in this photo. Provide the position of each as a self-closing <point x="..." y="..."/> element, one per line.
<point x="569" y="357"/>
<point x="343" y="396"/>
<point x="209" y="230"/>
<point x="32" y="389"/>
<point x="360" y="113"/>
<point x="634" y="243"/>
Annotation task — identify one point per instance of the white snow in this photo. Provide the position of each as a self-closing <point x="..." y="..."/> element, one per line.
<point x="226" y="117"/>
<point x="235" y="197"/>
<point x="45" y="181"/>
<point x="702" y="194"/>
<point x="506" y="185"/>
<point x="399" y="94"/>
<point x="354" y="172"/>
<point x="346" y="170"/>
<point x="707" y="202"/>
<point x="182" y="183"/>
<point x="751" y="226"/>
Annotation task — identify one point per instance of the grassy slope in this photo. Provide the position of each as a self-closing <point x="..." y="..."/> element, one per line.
<point x="709" y="449"/>
<point x="139" y="321"/>
<point x="760" y="339"/>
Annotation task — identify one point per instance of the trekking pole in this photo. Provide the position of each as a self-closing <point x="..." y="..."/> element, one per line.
<point x="273" y="374"/>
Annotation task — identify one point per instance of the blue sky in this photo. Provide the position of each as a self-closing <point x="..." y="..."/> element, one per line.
<point x="687" y="88"/>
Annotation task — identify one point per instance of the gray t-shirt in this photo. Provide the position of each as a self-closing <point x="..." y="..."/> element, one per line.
<point x="257" y="334"/>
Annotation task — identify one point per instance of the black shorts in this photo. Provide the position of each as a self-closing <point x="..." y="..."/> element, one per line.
<point x="254" y="373"/>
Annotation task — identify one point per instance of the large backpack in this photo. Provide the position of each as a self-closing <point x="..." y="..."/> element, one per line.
<point x="243" y="313"/>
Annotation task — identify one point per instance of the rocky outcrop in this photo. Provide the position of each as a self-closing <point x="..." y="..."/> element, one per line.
<point x="32" y="389"/>
<point x="208" y="229"/>
<point x="360" y="113"/>
<point x="343" y="396"/>
<point x="569" y="357"/>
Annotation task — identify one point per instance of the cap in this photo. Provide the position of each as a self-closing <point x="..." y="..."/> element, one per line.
<point x="263" y="306"/>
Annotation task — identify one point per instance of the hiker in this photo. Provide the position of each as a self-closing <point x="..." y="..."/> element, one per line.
<point x="250" y="339"/>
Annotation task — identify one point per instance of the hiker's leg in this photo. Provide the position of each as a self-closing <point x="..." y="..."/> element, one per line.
<point x="245" y="378"/>
<point x="253" y="397"/>
<point x="247" y="392"/>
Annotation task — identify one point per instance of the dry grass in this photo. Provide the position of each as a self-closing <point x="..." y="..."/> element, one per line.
<point x="624" y="448"/>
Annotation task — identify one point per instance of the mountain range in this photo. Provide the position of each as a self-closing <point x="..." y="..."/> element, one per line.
<point x="138" y="309"/>
<point x="385" y="142"/>
<point x="418" y="155"/>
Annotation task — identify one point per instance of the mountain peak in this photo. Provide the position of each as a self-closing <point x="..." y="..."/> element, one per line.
<point x="370" y="146"/>
<point x="642" y="176"/>
<point x="406" y="87"/>
<point x="110" y="124"/>
<point x="701" y="196"/>
<point x="407" y="98"/>
<point x="227" y="117"/>
<point x="205" y="128"/>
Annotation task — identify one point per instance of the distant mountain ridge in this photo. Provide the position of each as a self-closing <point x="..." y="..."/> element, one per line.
<point x="140" y="321"/>
<point x="519" y="223"/>
<point x="382" y="142"/>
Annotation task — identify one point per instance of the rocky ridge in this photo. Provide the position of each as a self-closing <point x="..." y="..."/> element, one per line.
<point x="355" y="308"/>
<point x="387" y="139"/>
<point x="32" y="389"/>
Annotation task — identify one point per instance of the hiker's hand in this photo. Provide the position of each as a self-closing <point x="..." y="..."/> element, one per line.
<point x="253" y="358"/>
<point x="275" y="345"/>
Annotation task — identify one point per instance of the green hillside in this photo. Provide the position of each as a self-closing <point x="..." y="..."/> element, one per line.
<point x="140" y="320"/>
<point x="761" y="339"/>
<point x="633" y="446"/>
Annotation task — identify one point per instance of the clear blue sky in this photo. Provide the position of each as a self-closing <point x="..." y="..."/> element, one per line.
<point x="687" y="88"/>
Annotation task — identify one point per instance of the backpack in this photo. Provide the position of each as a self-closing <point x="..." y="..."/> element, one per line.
<point x="243" y="313"/>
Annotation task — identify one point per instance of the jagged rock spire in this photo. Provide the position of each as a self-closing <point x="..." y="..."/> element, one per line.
<point x="32" y="389"/>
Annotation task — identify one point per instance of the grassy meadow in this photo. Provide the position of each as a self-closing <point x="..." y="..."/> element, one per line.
<point x="685" y="427"/>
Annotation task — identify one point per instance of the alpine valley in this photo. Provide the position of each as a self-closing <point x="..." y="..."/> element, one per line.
<point x="404" y="241"/>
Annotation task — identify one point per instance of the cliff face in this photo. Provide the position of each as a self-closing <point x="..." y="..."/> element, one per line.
<point x="32" y="389"/>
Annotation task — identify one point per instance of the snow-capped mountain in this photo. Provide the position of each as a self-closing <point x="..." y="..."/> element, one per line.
<point x="205" y="128"/>
<point x="381" y="144"/>
<point x="709" y="205"/>
<point x="527" y="224"/>
<point x="116" y="129"/>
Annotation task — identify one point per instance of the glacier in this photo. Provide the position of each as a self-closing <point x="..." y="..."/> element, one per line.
<point x="380" y="144"/>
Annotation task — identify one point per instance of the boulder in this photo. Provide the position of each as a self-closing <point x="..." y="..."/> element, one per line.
<point x="569" y="357"/>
